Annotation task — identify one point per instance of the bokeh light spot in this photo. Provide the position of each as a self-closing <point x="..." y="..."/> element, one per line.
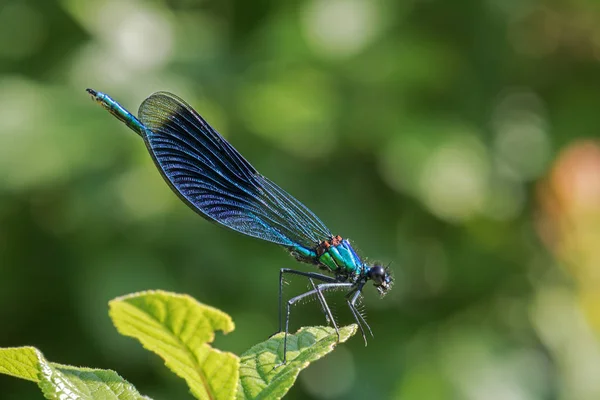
<point x="521" y="143"/>
<point x="294" y="110"/>
<point x="130" y="35"/>
<point x="453" y="182"/>
<point x="143" y="38"/>
<point x="339" y="28"/>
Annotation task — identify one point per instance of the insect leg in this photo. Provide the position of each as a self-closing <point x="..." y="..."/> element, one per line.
<point x="321" y="277"/>
<point x="317" y="290"/>
<point x="325" y="307"/>
<point x="360" y="320"/>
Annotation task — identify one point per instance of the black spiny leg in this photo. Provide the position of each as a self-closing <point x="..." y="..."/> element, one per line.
<point x="282" y="271"/>
<point x="325" y="308"/>
<point x="318" y="289"/>
<point x="351" y="299"/>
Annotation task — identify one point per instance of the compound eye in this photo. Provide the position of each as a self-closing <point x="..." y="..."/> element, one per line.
<point x="377" y="274"/>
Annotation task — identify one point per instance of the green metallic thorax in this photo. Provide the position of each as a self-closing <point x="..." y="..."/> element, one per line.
<point x="339" y="258"/>
<point x="328" y="261"/>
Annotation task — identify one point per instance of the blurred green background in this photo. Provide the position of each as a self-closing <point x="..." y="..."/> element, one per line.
<point x="455" y="139"/>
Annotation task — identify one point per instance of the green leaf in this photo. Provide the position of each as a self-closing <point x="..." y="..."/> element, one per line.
<point x="21" y="362"/>
<point x="261" y="376"/>
<point x="178" y="329"/>
<point x="63" y="382"/>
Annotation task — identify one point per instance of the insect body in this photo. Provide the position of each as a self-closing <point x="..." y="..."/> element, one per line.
<point x="214" y="180"/>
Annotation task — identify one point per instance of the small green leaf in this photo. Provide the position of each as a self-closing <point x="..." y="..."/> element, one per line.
<point x="261" y="376"/>
<point x="63" y="382"/>
<point x="20" y="362"/>
<point x="178" y="328"/>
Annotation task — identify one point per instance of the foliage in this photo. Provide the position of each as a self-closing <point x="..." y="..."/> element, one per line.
<point x="179" y="329"/>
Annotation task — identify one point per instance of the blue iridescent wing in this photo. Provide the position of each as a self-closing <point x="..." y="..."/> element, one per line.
<point x="217" y="182"/>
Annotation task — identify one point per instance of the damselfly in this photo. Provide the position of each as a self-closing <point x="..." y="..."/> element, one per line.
<point x="214" y="180"/>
